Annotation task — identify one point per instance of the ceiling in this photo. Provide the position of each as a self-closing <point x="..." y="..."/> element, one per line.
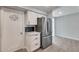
<point x="39" y="9"/>
<point x="46" y="9"/>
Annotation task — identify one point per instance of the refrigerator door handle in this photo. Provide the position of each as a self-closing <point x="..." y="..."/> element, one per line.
<point x="44" y="26"/>
<point x="48" y="26"/>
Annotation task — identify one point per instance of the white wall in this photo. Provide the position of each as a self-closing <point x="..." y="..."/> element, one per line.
<point x="65" y="10"/>
<point x="53" y="27"/>
<point x="51" y="16"/>
<point x="67" y="26"/>
<point x="0" y="29"/>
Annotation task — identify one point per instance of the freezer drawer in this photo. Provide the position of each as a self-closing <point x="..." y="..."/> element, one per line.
<point x="46" y="41"/>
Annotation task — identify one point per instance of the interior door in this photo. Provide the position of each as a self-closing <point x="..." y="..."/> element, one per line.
<point x="13" y="30"/>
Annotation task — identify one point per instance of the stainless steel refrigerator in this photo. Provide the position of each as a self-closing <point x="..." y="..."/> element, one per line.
<point x="44" y="25"/>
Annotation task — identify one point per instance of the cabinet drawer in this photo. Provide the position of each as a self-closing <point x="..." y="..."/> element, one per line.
<point x="35" y="46"/>
<point x="35" y="38"/>
<point x="33" y="34"/>
<point x="36" y="41"/>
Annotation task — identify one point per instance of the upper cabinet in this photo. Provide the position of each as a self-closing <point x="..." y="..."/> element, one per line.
<point x="31" y="18"/>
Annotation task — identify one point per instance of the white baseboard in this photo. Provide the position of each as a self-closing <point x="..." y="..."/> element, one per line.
<point x="73" y="38"/>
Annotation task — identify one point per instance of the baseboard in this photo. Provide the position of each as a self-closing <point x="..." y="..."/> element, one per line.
<point x="73" y="38"/>
<point x="21" y="50"/>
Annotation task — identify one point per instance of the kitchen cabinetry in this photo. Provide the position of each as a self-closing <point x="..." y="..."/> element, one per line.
<point x="12" y="30"/>
<point x="31" y="18"/>
<point x="32" y="41"/>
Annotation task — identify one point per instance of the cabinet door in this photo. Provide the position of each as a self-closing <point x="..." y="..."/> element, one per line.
<point x="31" y="18"/>
<point x="32" y="41"/>
<point x="13" y="32"/>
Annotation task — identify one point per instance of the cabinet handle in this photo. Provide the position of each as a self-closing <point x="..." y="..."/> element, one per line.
<point x="21" y="33"/>
<point x="36" y="34"/>
<point x="36" y="38"/>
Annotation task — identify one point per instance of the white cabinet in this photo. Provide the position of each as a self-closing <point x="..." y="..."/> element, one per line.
<point x="32" y="41"/>
<point x="12" y="30"/>
<point x="31" y="18"/>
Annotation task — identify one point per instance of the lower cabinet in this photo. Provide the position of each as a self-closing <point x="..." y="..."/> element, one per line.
<point x="32" y="41"/>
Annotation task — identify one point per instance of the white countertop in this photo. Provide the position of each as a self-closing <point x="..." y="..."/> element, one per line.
<point x="32" y="32"/>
